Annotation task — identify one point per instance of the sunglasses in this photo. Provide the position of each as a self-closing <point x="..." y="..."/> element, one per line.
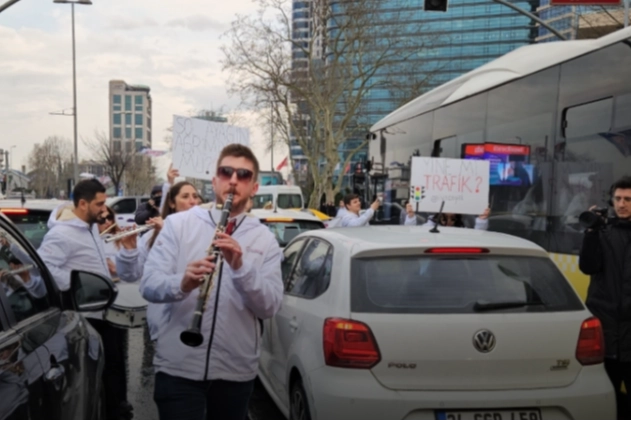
<point x="225" y="173"/>
<point x="109" y="217"/>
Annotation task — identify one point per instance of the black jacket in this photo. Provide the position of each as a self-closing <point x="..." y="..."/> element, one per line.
<point x="144" y="212"/>
<point x="606" y="256"/>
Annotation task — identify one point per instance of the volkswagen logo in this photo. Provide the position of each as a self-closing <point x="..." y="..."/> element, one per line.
<point x="484" y="341"/>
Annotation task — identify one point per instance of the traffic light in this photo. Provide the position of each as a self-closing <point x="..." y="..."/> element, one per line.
<point x="436" y="5"/>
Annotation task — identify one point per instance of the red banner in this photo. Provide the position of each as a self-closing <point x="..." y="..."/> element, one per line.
<point x="585" y="2"/>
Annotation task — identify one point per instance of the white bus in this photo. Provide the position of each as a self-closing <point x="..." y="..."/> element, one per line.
<point x="554" y="119"/>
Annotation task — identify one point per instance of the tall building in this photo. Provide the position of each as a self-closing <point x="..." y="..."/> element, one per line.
<point x="469" y="34"/>
<point x="130" y="116"/>
<point x="579" y="22"/>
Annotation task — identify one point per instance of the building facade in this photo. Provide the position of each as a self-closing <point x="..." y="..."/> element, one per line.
<point x="130" y="116"/>
<point x="578" y="22"/>
<point x="469" y="34"/>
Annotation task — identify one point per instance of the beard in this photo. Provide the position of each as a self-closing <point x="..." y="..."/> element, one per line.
<point x="95" y="218"/>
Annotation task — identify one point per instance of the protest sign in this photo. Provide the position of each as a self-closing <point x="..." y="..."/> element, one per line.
<point x="197" y="144"/>
<point x="462" y="184"/>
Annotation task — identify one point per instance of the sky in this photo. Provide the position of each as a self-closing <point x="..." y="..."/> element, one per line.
<point x="171" y="46"/>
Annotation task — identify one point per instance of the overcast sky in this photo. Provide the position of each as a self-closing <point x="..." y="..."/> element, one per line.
<point x="171" y="46"/>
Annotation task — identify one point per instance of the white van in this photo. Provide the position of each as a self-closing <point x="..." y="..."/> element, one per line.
<point x="283" y="197"/>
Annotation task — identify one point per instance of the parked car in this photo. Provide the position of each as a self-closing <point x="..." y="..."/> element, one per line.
<point x="31" y="218"/>
<point x="125" y="208"/>
<point x="287" y="224"/>
<point x="282" y="197"/>
<point x="51" y="359"/>
<point x="395" y="322"/>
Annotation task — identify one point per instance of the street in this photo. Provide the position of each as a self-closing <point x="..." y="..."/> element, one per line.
<point x="141" y="381"/>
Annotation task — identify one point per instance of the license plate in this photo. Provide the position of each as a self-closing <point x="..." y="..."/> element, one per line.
<point x="490" y="414"/>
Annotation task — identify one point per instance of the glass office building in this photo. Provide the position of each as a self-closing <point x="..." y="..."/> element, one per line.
<point x="470" y="34"/>
<point x="564" y="19"/>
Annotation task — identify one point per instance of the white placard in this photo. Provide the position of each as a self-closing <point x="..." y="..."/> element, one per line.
<point x="462" y="184"/>
<point x="197" y="144"/>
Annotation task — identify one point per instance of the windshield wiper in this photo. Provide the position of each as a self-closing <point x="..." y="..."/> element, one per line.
<point x="482" y="305"/>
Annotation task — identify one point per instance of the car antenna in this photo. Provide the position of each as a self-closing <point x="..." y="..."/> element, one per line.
<point x="440" y="213"/>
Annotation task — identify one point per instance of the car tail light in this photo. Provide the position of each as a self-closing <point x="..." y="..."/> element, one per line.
<point x="457" y="250"/>
<point x="349" y="344"/>
<point x="14" y="211"/>
<point x="591" y="345"/>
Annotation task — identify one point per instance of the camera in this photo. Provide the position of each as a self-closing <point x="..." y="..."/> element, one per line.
<point x="156" y="200"/>
<point x="594" y="219"/>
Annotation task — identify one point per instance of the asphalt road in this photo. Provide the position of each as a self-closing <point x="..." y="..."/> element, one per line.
<point x="140" y="383"/>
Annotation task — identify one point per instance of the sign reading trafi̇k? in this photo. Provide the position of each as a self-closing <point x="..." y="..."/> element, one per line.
<point x="461" y="183"/>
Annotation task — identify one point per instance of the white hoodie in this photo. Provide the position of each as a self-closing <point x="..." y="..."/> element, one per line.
<point x="72" y="244"/>
<point x="253" y="292"/>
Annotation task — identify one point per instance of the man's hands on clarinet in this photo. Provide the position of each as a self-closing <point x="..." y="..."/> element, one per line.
<point x="195" y="272"/>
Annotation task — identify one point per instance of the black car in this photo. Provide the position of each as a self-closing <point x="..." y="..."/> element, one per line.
<point x="51" y="359"/>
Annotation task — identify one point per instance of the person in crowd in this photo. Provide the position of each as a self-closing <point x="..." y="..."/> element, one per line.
<point x="107" y="227"/>
<point x="341" y="210"/>
<point x="151" y="208"/>
<point x="73" y="243"/>
<point x="180" y="197"/>
<point x="606" y="257"/>
<point x="214" y="380"/>
<point x="447" y="219"/>
<point x="353" y="205"/>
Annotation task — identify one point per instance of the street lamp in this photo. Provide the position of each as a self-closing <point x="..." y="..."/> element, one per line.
<point x="10" y="156"/>
<point x="75" y="164"/>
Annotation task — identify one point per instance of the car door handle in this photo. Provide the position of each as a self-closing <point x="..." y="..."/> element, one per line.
<point x="293" y="324"/>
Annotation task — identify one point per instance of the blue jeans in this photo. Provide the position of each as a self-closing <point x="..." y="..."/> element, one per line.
<point x="178" y="398"/>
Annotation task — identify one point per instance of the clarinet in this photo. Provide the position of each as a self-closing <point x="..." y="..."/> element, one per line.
<point x="193" y="336"/>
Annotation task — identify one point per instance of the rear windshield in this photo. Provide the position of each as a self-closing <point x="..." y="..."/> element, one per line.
<point x="454" y="284"/>
<point x="260" y="200"/>
<point x="287" y="231"/>
<point x="33" y="225"/>
<point x="289" y="201"/>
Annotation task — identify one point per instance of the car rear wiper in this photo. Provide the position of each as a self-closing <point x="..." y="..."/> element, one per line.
<point x="482" y="305"/>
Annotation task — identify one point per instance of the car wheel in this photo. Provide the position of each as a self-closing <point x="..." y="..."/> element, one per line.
<point x="298" y="403"/>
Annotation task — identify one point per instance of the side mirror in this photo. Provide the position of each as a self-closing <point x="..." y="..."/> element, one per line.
<point x="91" y="292"/>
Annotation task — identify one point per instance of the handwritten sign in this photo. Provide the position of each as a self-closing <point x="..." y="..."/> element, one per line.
<point x="197" y="144"/>
<point x="462" y="184"/>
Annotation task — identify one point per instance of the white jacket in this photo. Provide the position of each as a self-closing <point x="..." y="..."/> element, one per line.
<point x="350" y="219"/>
<point x="72" y="244"/>
<point x="252" y="292"/>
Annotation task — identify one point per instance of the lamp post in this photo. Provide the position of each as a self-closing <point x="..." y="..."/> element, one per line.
<point x="11" y="157"/>
<point x="75" y="163"/>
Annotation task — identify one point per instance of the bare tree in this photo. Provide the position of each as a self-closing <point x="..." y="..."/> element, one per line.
<point x="51" y="166"/>
<point x="317" y="86"/>
<point x="140" y="176"/>
<point x="116" y="156"/>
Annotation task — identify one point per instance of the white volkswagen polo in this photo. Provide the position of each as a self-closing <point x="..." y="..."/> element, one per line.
<point x="395" y="322"/>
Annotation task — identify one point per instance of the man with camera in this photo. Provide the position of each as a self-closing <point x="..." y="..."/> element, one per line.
<point x="606" y="257"/>
<point x="151" y="208"/>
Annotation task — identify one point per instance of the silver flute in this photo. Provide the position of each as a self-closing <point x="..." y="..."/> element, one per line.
<point x="19" y="270"/>
<point x="124" y="234"/>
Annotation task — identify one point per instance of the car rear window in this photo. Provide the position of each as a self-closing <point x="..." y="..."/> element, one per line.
<point x="289" y="201"/>
<point x="453" y="284"/>
<point x="285" y="231"/>
<point x="260" y="200"/>
<point x="33" y="224"/>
